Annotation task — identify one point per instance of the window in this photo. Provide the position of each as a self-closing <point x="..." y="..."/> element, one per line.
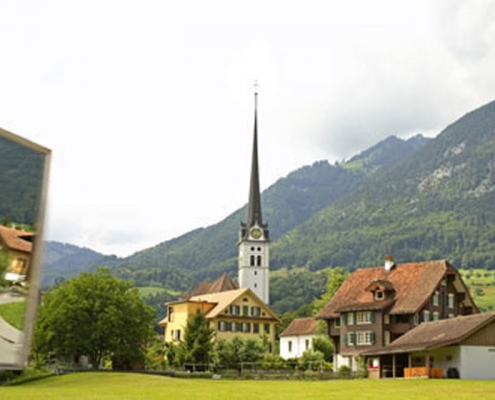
<point x="258" y="261"/>
<point x="426" y="316"/>
<point x="245" y="310"/>
<point x="252" y="259"/>
<point x="255" y="311"/>
<point x="234" y="309"/>
<point x="170" y="314"/>
<point x="306" y="344"/>
<point x="290" y="346"/>
<point x="450" y="300"/>
<point x="337" y="322"/>
<point x="379" y="295"/>
<point x="364" y="317"/>
<point x="386" y="319"/>
<point x="365" y="338"/>
<point x="246" y="327"/>
<point x="436" y="316"/>
<point x="435" y="299"/>
<point x="416" y="319"/>
<point x="350" y="338"/>
<point x="349" y="318"/>
<point x="177" y="335"/>
<point x="256" y="328"/>
<point x="267" y="328"/>
<point x="387" y="337"/>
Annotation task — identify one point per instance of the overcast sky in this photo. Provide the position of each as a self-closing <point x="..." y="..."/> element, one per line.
<point x="148" y="105"/>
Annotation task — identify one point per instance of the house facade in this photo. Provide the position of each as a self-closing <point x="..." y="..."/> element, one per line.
<point x="297" y="337"/>
<point x="376" y="306"/>
<point x="461" y="347"/>
<point x="234" y="312"/>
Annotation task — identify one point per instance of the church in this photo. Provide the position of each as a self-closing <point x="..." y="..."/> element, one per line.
<point x="235" y="309"/>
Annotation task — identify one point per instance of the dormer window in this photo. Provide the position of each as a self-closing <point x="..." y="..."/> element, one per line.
<point x="379" y="294"/>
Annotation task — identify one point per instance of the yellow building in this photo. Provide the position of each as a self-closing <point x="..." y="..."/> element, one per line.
<point x="17" y="245"/>
<point x="233" y="312"/>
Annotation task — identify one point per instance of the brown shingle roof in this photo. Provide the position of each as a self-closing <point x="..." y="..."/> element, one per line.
<point x="301" y="326"/>
<point x="222" y="284"/>
<point x="413" y="283"/>
<point x="15" y="239"/>
<point x="431" y="335"/>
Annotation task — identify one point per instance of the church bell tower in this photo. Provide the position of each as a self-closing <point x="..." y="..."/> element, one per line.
<point x="254" y="240"/>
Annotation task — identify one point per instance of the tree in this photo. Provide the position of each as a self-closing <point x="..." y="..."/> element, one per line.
<point x="198" y="340"/>
<point x="324" y="345"/>
<point x="95" y="315"/>
<point x="232" y="353"/>
<point x="336" y="278"/>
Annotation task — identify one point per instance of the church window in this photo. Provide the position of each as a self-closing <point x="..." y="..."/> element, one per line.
<point x="259" y="261"/>
<point x="252" y="261"/>
<point x="259" y="248"/>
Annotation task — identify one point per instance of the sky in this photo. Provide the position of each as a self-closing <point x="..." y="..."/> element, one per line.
<point x="147" y="105"/>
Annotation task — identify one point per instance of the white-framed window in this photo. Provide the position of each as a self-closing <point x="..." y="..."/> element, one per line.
<point x="246" y="327"/>
<point x="426" y="315"/>
<point x="364" y="317"/>
<point x="234" y="309"/>
<point x="350" y="318"/>
<point x="450" y="300"/>
<point x="435" y="299"/>
<point x="451" y="315"/>
<point x="255" y="311"/>
<point x="221" y="326"/>
<point x="365" y="338"/>
<point x="436" y="316"/>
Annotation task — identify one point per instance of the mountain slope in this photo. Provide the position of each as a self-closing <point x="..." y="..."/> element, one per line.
<point x="438" y="203"/>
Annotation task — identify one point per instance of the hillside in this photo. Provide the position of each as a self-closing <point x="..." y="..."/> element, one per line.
<point x="437" y="203"/>
<point x="208" y="252"/>
<point x="21" y="171"/>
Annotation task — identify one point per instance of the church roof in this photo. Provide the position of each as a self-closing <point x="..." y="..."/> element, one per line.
<point x="222" y="284"/>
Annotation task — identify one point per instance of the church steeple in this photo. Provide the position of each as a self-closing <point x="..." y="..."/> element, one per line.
<point x="254" y="241"/>
<point x="254" y="216"/>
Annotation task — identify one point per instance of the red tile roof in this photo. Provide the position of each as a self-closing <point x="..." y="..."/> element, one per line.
<point x="15" y="239"/>
<point x="301" y="326"/>
<point x="222" y="284"/>
<point x="412" y="284"/>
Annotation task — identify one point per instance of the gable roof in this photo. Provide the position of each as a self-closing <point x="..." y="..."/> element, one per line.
<point x="435" y="334"/>
<point x="222" y="284"/>
<point x="17" y="240"/>
<point x="413" y="284"/>
<point x="223" y="299"/>
<point x="300" y="326"/>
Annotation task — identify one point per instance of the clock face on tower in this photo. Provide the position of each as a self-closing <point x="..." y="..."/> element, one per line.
<point x="256" y="233"/>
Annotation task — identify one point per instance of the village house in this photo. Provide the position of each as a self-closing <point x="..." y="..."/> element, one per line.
<point x="297" y="337"/>
<point x="17" y="245"/>
<point x="376" y="306"/>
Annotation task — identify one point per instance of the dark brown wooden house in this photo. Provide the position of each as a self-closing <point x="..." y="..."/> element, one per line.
<point x="375" y="306"/>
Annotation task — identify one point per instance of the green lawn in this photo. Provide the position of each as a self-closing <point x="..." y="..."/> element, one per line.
<point x="118" y="386"/>
<point x="14" y="313"/>
<point x="481" y="285"/>
<point x="145" y="291"/>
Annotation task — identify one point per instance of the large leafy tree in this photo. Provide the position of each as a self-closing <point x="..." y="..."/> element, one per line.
<point x="232" y="353"/>
<point x="96" y="315"/>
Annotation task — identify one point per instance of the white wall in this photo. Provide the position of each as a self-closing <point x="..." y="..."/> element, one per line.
<point x="298" y="345"/>
<point x="477" y="362"/>
<point x="447" y="357"/>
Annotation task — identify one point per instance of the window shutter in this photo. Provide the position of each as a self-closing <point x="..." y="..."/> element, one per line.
<point x="372" y="337"/>
<point x="345" y="318"/>
<point x="353" y="338"/>
<point x="372" y="317"/>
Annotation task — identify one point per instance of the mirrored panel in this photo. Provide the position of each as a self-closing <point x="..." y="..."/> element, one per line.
<point x="24" y="168"/>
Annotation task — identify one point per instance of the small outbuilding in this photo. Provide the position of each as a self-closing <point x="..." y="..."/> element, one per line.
<point x="297" y="337"/>
<point x="461" y="347"/>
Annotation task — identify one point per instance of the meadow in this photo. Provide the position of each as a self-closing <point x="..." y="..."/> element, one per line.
<point x="122" y="386"/>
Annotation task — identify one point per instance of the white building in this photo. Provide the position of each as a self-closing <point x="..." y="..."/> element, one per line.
<point x="297" y="337"/>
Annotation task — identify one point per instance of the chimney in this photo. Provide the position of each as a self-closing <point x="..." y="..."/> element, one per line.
<point x="389" y="263"/>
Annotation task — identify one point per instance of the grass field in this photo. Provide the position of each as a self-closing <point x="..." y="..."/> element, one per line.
<point x="481" y="285"/>
<point x="145" y="291"/>
<point x="118" y="386"/>
<point x="14" y="313"/>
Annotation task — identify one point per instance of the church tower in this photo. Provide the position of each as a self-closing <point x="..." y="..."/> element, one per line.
<point x="254" y="256"/>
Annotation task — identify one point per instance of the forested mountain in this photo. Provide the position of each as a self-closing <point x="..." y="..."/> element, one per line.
<point x="437" y="203"/>
<point x="21" y="171"/>
<point x="63" y="260"/>
<point x="208" y="252"/>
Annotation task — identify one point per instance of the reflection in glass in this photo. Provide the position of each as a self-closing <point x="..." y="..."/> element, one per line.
<point x="23" y="178"/>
